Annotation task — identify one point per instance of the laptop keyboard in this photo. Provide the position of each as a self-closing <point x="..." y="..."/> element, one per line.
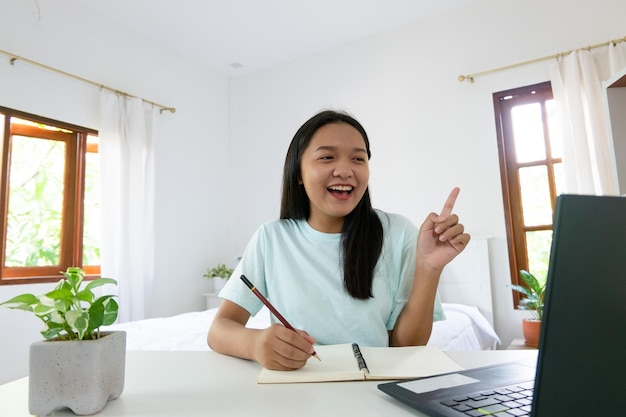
<point x="514" y="400"/>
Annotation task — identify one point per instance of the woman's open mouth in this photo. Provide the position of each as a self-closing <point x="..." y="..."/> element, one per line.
<point x="341" y="189"/>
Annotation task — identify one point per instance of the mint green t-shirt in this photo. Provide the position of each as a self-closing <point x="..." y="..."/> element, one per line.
<point x="299" y="269"/>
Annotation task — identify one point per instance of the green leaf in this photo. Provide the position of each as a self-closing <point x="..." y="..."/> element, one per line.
<point x="21" y="302"/>
<point x="105" y="299"/>
<point x="50" y="333"/>
<point x="62" y="305"/>
<point x="520" y="289"/>
<point x="74" y="276"/>
<point x="56" y="317"/>
<point x="79" y="321"/>
<point x="60" y="294"/>
<point x="532" y="282"/>
<point x="85" y="295"/>
<point x="43" y="310"/>
<point x="52" y="325"/>
<point x="103" y="312"/>
<point x="46" y="301"/>
<point x="110" y="312"/>
<point x="96" y="315"/>
<point x="99" y="282"/>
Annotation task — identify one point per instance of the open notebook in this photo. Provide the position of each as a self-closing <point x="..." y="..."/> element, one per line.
<point x="348" y="362"/>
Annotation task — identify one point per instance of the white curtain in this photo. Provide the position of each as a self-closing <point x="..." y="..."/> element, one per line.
<point x="127" y="171"/>
<point x="580" y="106"/>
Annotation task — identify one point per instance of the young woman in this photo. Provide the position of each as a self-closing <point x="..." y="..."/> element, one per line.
<point x="337" y="269"/>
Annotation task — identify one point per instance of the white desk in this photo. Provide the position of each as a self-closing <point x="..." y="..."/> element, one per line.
<point x="206" y="383"/>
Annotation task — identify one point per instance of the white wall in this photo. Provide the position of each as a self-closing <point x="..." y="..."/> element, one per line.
<point x="191" y="145"/>
<point x="220" y="157"/>
<point x="428" y="131"/>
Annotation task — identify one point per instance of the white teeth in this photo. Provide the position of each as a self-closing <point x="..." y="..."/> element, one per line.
<point x="340" y="188"/>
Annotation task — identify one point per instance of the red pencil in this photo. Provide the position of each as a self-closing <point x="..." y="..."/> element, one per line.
<point x="271" y="307"/>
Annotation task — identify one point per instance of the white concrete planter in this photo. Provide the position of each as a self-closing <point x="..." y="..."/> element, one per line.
<point x="81" y="375"/>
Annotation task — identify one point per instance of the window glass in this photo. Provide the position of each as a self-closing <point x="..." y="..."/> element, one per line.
<point x="536" y="203"/>
<point x="528" y="132"/>
<point x="538" y="244"/>
<point x="36" y="173"/>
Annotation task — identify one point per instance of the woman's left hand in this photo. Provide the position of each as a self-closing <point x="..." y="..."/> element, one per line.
<point x="441" y="237"/>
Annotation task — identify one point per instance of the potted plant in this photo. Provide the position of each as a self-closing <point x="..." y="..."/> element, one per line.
<point x="77" y="366"/>
<point x="219" y="274"/>
<point x="533" y="293"/>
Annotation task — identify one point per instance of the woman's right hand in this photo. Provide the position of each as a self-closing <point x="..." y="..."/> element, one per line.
<point x="275" y="347"/>
<point x="280" y="348"/>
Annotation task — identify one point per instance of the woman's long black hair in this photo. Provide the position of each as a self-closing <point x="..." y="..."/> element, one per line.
<point x="362" y="232"/>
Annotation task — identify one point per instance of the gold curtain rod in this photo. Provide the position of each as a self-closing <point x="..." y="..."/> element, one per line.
<point x="470" y="77"/>
<point x="14" y="58"/>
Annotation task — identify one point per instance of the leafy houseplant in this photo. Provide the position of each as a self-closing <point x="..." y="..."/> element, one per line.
<point x="533" y="293"/>
<point x="221" y="272"/>
<point x="77" y="366"/>
<point x="69" y="312"/>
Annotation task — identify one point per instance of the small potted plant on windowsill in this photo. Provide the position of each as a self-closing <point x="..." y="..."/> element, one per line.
<point x="77" y="366"/>
<point x="533" y="293"/>
<point x="219" y="274"/>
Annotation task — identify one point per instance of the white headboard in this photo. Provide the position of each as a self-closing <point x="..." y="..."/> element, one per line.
<point x="466" y="280"/>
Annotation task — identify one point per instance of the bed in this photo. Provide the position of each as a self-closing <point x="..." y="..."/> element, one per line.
<point x="465" y="290"/>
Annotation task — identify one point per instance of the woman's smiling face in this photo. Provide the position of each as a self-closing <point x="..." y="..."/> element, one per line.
<point x="334" y="170"/>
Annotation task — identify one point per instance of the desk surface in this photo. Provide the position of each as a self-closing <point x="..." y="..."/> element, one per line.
<point x="207" y="383"/>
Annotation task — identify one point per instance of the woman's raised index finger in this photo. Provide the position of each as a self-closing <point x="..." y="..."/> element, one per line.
<point x="449" y="205"/>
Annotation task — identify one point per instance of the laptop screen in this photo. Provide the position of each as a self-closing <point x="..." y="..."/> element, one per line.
<point x="582" y="353"/>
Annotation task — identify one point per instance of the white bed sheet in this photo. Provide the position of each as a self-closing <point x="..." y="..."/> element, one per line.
<point x="464" y="329"/>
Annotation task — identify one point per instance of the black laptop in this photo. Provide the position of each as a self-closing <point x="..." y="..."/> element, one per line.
<point x="581" y="365"/>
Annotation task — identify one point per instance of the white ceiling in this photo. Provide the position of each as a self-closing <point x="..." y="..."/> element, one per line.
<point x="236" y="37"/>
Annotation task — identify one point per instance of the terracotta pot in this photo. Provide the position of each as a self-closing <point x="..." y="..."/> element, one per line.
<point x="531" y="329"/>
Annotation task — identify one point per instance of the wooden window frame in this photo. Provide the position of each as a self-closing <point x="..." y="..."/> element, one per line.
<point x="71" y="252"/>
<point x="516" y="230"/>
